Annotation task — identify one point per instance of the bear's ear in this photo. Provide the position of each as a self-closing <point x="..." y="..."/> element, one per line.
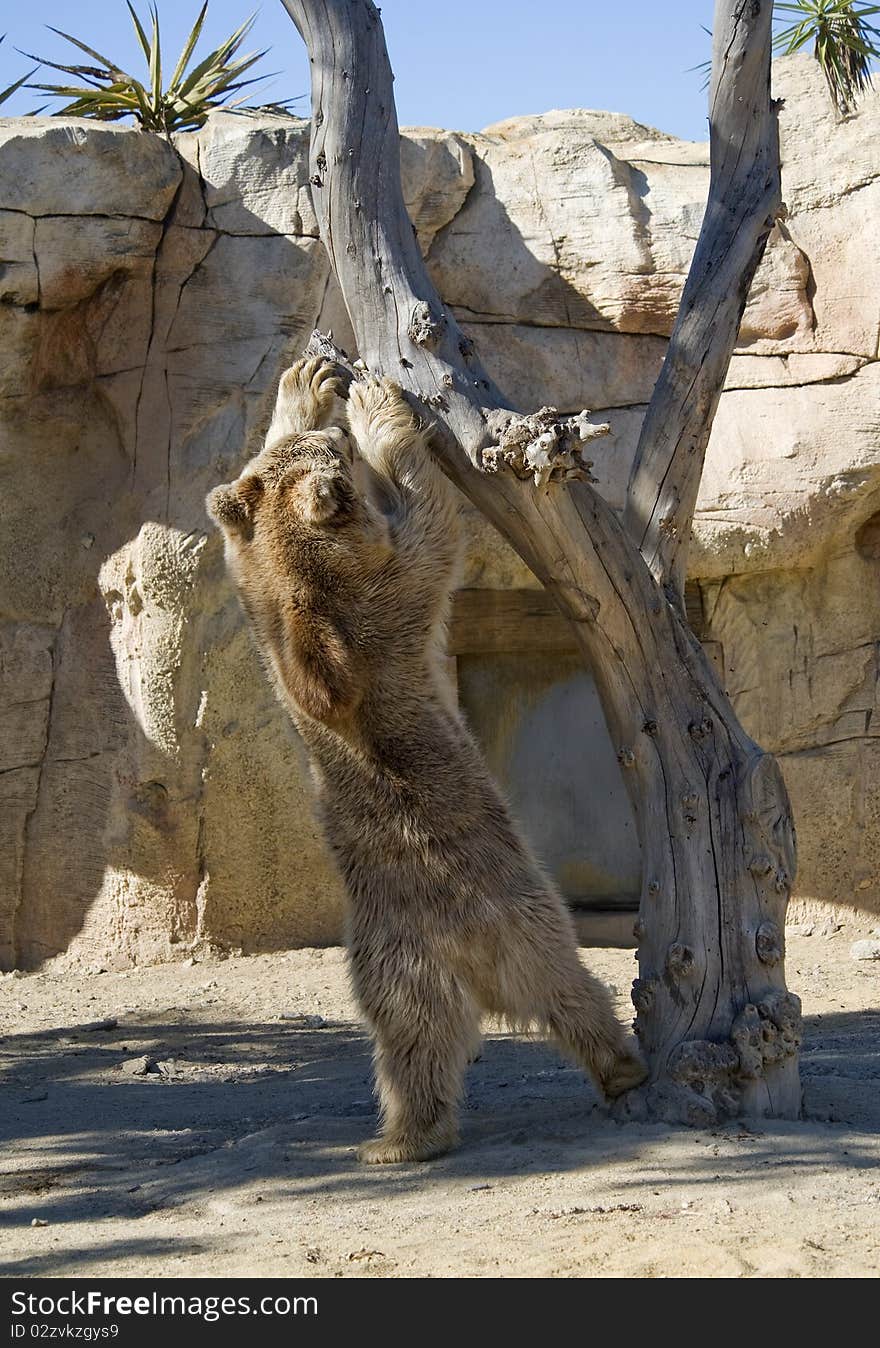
<point x="324" y="499"/>
<point x="232" y="506"/>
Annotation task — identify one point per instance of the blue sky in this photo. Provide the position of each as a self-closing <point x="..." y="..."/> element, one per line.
<point x="460" y="64"/>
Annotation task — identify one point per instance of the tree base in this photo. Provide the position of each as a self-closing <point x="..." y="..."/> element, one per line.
<point x="753" y="1075"/>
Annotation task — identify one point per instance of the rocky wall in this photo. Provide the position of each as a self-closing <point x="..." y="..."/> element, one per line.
<point x="153" y="798"/>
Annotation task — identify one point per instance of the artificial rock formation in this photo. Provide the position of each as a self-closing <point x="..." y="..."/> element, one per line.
<point x="150" y="297"/>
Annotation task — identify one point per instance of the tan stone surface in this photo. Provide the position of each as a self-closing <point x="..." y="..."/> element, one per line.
<point x="154" y="798"/>
<point x="801" y="651"/>
<point x="157" y="801"/>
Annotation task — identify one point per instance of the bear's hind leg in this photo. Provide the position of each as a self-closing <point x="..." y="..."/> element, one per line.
<point x="579" y="1016"/>
<point x="424" y="1028"/>
<point x="548" y="984"/>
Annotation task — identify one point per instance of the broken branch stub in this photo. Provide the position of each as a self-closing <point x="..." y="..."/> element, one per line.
<point x="544" y="446"/>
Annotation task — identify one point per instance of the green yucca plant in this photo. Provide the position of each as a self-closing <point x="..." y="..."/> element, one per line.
<point x="110" y="93"/>
<point x="842" y="44"/>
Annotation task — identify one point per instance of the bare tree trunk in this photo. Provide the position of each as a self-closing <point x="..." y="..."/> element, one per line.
<point x="712" y="1010"/>
<point x="744" y="200"/>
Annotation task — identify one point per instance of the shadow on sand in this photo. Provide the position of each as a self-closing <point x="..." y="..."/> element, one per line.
<point x="281" y="1109"/>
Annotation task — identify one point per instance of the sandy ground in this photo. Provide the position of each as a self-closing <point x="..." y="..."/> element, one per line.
<point x="234" y="1154"/>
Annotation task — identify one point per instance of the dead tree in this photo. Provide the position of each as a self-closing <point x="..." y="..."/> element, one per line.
<point x="712" y="1011"/>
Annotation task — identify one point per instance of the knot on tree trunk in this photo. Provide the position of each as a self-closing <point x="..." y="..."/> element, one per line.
<point x="426" y="324"/>
<point x="542" y="445"/>
<point x="680" y="961"/>
<point x="708" y="1071"/>
<point x="643" y="993"/>
<point x="769" y="943"/>
<point x="769" y="826"/>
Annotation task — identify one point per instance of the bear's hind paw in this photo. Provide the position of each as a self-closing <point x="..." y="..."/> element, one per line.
<point x="394" y="1150"/>
<point x="628" y="1072"/>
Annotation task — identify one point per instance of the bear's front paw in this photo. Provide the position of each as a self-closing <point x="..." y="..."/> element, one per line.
<point x="377" y="410"/>
<point x="311" y="393"/>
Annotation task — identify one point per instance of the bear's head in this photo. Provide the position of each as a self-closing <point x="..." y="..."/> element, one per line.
<point x="301" y="544"/>
<point x="299" y="484"/>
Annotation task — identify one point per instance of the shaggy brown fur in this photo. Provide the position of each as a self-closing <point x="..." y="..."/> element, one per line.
<point x="346" y="572"/>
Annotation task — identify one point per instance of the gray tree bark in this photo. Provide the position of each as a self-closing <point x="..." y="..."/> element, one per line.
<point x="713" y="1015"/>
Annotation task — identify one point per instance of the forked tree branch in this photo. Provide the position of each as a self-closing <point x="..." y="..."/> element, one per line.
<point x="712" y="814"/>
<point x="744" y="201"/>
<point x="404" y="330"/>
<point x="569" y="536"/>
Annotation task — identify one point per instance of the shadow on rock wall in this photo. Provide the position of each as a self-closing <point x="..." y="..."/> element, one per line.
<point x="157" y="798"/>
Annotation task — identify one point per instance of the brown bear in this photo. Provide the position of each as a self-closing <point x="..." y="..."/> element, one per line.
<point x="344" y="556"/>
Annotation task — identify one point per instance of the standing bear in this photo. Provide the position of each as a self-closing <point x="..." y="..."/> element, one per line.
<point x="341" y="536"/>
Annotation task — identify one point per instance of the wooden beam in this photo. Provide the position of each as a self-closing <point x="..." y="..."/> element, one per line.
<point x="605" y="926"/>
<point x="487" y="622"/>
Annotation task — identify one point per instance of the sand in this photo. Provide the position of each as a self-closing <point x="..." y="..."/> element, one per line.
<point x="208" y="1132"/>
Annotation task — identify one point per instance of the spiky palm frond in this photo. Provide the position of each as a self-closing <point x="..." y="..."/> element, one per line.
<point x="13" y="88"/>
<point x="110" y="93"/>
<point x="704" y="69"/>
<point x="843" y="44"/>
